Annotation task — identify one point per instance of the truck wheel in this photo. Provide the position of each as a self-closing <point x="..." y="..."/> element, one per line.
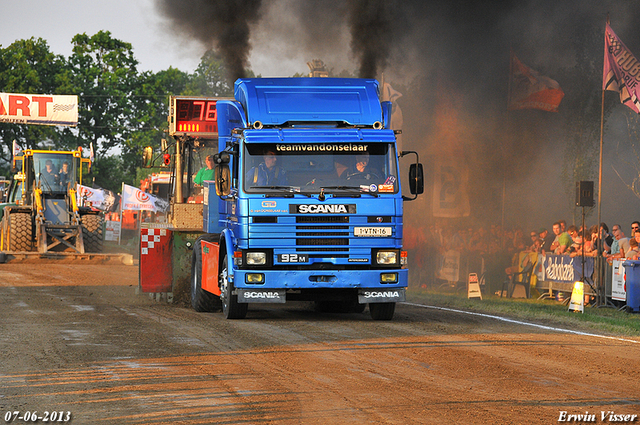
<point x="201" y="300"/>
<point x="231" y="308"/>
<point x="382" y="311"/>
<point x="20" y="235"/>
<point x="356" y="307"/>
<point x="92" y="232"/>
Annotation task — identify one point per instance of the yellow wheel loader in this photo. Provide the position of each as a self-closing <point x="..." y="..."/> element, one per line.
<point x="39" y="211"/>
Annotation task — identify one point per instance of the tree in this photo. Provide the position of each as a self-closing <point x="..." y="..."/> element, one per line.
<point x="150" y="106"/>
<point x="210" y="77"/>
<point x="104" y="75"/>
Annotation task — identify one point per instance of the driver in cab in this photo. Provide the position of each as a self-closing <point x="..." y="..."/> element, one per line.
<point x="361" y="169"/>
<point x="49" y="176"/>
<point x="268" y="173"/>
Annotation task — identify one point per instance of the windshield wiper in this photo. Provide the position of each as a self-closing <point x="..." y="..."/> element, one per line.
<point x="358" y="188"/>
<point x="289" y="191"/>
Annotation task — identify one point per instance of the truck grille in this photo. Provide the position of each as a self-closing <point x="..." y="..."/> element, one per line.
<point x="322" y="234"/>
<point x="322" y="219"/>
<point x="312" y="231"/>
<point x="322" y="241"/>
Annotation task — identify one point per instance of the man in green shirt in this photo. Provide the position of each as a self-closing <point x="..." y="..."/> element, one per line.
<point x="563" y="240"/>
<point x="205" y="173"/>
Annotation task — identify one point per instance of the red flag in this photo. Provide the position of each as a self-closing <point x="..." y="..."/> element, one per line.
<point x="530" y="90"/>
<point x="17" y="150"/>
<point x="621" y="71"/>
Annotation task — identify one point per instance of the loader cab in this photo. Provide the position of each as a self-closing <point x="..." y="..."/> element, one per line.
<point x="54" y="173"/>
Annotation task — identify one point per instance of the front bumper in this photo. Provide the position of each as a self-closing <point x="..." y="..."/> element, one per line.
<point x="321" y="279"/>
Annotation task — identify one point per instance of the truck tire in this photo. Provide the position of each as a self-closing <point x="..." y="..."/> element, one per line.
<point x="382" y="311"/>
<point x="20" y="235"/>
<point x="231" y="308"/>
<point x="201" y="300"/>
<point x="92" y="232"/>
<point x="356" y="307"/>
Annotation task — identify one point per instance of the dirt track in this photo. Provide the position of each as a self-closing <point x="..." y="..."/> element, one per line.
<point x="76" y="338"/>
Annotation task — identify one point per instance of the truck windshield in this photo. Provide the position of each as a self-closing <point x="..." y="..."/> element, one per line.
<point x="54" y="172"/>
<point x="309" y="168"/>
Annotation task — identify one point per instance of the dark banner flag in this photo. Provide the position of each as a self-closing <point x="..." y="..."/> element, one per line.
<point x="621" y="70"/>
<point x="530" y="90"/>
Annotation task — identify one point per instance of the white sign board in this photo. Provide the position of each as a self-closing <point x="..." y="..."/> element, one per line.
<point x="449" y="267"/>
<point x="17" y="108"/>
<point x="473" y="287"/>
<point x="618" y="291"/>
<point x="112" y="231"/>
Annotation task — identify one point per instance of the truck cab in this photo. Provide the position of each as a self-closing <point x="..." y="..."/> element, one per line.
<point x="306" y="203"/>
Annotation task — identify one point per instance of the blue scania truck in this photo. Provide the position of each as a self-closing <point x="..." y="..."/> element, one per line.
<point x="306" y="203"/>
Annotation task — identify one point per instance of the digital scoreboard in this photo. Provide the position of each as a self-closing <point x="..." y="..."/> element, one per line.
<point x="193" y="116"/>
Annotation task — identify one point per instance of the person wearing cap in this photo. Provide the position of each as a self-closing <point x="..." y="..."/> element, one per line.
<point x="536" y="242"/>
<point x="49" y="176"/>
<point x="547" y="239"/>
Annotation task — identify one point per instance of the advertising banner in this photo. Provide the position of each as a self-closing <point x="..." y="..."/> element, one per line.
<point x="16" y="108"/>
<point x="449" y="267"/>
<point x="137" y="200"/>
<point x="563" y="268"/>
<point x="450" y="189"/>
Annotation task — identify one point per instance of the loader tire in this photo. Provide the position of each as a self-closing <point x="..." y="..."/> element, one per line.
<point x="20" y="237"/>
<point x="92" y="235"/>
<point x="201" y="300"/>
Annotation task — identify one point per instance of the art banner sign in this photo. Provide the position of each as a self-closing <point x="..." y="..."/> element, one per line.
<point x="17" y="108"/>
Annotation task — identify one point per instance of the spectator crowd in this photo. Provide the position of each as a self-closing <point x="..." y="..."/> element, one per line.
<point x="490" y="250"/>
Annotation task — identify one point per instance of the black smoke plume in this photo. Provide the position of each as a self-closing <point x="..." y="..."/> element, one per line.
<point x="370" y="22"/>
<point x="224" y="25"/>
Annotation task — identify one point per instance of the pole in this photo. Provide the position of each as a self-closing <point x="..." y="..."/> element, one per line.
<point x="508" y="126"/>
<point x="601" y="299"/>
<point x="121" y="195"/>
<point x="179" y="171"/>
<point x="583" y="240"/>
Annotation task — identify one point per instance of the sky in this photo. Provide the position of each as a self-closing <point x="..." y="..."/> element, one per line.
<point x="156" y="45"/>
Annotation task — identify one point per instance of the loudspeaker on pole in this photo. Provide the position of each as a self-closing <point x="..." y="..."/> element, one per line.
<point x="584" y="194"/>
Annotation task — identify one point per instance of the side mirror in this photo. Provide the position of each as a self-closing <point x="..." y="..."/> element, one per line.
<point x="416" y="179"/>
<point x="222" y="158"/>
<point x="147" y="157"/>
<point x="223" y="180"/>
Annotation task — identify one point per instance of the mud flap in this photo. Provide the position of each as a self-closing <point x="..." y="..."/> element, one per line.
<point x="262" y="296"/>
<point x="381" y="295"/>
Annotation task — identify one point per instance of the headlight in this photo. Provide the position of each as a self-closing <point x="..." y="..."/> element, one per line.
<point x="254" y="278"/>
<point x="389" y="278"/>
<point x="387" y="257"/>
<point x="256" y="258"/>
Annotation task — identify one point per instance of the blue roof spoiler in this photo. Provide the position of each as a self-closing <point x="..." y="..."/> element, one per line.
<point x="276" y="101"/>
